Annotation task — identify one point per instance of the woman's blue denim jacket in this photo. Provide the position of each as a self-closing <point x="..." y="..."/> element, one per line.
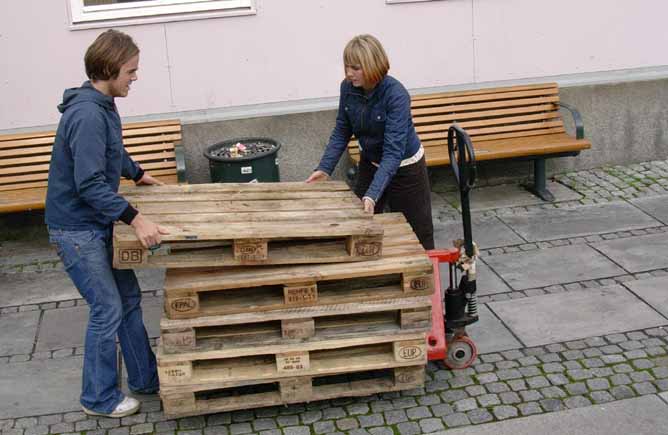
<point x="382" y="123"/>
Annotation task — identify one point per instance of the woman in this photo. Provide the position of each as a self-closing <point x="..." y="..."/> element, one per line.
<point x="376" y="108"/>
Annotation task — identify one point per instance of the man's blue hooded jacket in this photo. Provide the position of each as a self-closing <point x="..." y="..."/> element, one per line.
<point x="87" y="162"/>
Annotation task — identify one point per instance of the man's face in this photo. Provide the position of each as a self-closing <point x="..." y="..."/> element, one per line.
<point x="120" y="86"/>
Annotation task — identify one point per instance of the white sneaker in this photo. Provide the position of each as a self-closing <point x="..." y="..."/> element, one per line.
<point x="127" y="407"/>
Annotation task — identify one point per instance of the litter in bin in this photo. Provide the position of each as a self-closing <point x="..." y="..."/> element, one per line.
<point x="239" y="150"/>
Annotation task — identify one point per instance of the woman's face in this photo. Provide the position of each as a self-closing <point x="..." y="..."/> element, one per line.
<point x="355" y="74"/>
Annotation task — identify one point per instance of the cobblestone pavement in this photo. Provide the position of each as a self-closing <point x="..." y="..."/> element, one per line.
<point x="499" y="386"/>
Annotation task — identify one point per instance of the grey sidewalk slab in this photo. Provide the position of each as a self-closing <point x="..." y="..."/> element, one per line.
<point x="490" y="335"/>
<point x="54" y="285"/>
<point x="17" y="332"/>
<point x="36" y="287"/>
<point x="40" y="387"/>
<point x="510" y="195"/>
<point x="488" y="232"/>
<point x="646" y="415"/>
<point x="579" y="221"/>
<point x="637" y="254"/>
<point x="66" y="327"/>
<point x="487" y="282"/>
<point x="544" y="267"/>
<point x="26" y="252"/>
<point x="656" y="206"/>
<point x="654" y="291"/>
<point x="567" y="316"/>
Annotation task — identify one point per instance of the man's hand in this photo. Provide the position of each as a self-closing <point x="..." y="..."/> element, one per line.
<point x="317" y="176"/>
<point x="148" y="232"/>
<point x="147" y="179"/>
<point x="369" y="204"/>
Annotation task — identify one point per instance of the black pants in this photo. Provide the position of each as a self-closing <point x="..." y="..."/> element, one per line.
<point x="408" y="192"/>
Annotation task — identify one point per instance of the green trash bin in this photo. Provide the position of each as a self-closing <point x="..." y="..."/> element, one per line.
<point x="256" y="160"/>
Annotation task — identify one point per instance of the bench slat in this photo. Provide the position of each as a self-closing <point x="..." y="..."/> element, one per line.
<point x="418" y="113"/>
<point x="460" y="116"/>
<point x="445" y="100"/>
<point x="509" y="122"/>
<point x="486" y="91"/>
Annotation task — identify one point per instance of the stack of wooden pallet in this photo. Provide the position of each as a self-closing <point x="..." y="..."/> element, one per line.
<point x="339" y="307"/>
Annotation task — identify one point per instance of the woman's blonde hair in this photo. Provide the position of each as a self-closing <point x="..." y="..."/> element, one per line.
<point x="367" y="52"/>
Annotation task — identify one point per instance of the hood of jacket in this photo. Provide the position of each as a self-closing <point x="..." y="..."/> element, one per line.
<point x="85" y="94"/>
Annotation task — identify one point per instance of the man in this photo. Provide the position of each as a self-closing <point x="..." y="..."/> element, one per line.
<point x="82" y="204"/>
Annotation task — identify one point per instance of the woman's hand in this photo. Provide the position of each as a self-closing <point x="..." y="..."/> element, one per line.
<point x="147" y="179"/>
<point x="369" y="204"/>
<point x="317" y="176"/>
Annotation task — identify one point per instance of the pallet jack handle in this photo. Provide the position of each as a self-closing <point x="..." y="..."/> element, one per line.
<point x="465" y="171"/>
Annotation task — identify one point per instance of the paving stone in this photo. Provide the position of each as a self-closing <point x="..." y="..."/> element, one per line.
<point x="109" y="423"/>
<point x="431" y="425"/>
<point x="142" y="428"/>
<point x="660" y="372"/>
<point x="601" y="397"/>
<point x="119" y="431"/>
<point x="141" y="418"/>
<point x="408" y="428"/>
<point x="613" y="359"/>
<point x="396" y="416"/>
<point x="502" y="365"/>
<point x="404" y="402"/>
<point x="418" y="413"/>
<point x="492" y="335"/>
<point x="358" y="432"/>
<point x="13" y="432"/>
<point x="171" y="425"/>
<point x="381" y="431"/>
<point x="456" y="420"/>
<point x="61" y="428"/>
<point x="243" y="415"/>
<point x="373" y="420"/>
<point x="37" y="430"/>
<point x="222" y="430"/>
<point x="526" y="270"/>
<point x="622" y="311"/>
<point x="503" y="412"/>
<point x="579" y="221"/>
<point x="576" y="402"/>
<point x="87" y="425"/>
<point x="226" y="418"/>
<point x="530" y="371"/>
<point x="530" y="408"/>
<point x="297" y="430"/>
<point x="440" y="410"/>
<point x="287" y="420"/>
<point x="486" y="378"/>
<point x="644" y="388"/>
<point x="508" y="374"/>
<point x="620" y="379"/>
<point x="264" y="424"/>
<point x="637" y="254"/>
<point x="322" y="427"/>
<point x="509" y="398"/>
<point x="25" y="422"/>
<point x="552" y="405"/>
<point x="487" y="400"/>
<point x="47" y="419"/>
<point x="530" y="395"/>
<point x="557" y="379"/>
<point x="517" y="384"/>
<point x="240" y="428"/>
<point x="454" y="395"/>
<point x="641" y="376"/>
<point x="538" y="382"/>
<point x="17" y="333"/>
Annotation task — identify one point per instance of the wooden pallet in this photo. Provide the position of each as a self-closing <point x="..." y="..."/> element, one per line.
<point x="195" y="292"/>
<point x="182" y="403"/>
<point x="226" y="368"/>
<point x="250" y="224"/>
<point x="300" y="324"/>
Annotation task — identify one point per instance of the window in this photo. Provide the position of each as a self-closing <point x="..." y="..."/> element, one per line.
<point x="399" y="1"/>
<point x="103" y="13"/>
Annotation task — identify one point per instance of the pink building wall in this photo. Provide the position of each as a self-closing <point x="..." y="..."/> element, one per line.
<point x="291" y="50"/>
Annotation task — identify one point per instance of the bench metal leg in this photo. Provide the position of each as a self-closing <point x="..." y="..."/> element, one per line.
<point x="539" y="187"/>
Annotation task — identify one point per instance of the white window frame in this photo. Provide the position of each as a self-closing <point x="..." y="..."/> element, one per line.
<point x="152" y="11"/>
<point x="389" y="2"/>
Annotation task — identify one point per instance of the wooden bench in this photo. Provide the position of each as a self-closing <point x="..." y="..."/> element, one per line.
<point x="516" y="122"/>
<point x="24" y="161"/>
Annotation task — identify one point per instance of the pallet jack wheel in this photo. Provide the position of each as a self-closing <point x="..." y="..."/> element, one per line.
<point x="462" y="352"/>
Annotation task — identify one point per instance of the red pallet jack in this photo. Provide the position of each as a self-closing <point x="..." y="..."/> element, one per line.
<point x="448" y="340"/>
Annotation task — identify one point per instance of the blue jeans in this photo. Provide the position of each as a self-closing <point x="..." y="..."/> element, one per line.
<point x="114" y="299"/>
